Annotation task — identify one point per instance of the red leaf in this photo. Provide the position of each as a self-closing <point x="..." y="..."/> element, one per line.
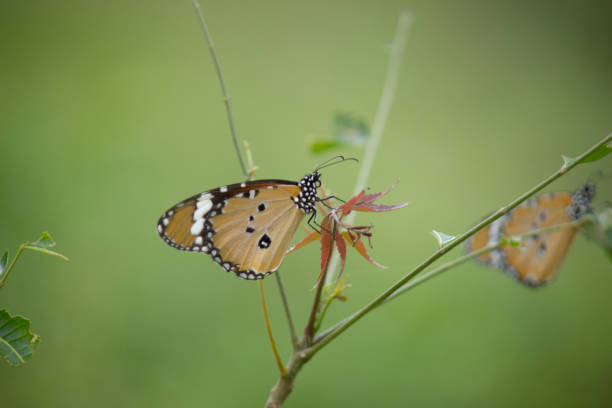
<point x="370" y="198"/>
<point x="327" y="243"/>
<point x="360" y="247"/>
<point x="371" y="207"/>
<point x="348" y="206"/>
<point x="341" y="245"/>
<point x="310" y="237"/>
<point x="365" y="202"/>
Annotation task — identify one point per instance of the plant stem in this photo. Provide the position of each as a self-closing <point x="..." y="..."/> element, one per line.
<point x="12" y="264"/>
<point x="247" y="173"/>
<point x="279" y="361"/>
<point x="380" y="119"/>
<point x="310" y="330"/>
<point x="281" y="288"/>
<point x="284" y="385"/>
<point x="333" y="332"/>
<point x="323" y="312"/>
<point x="226" y="97"/>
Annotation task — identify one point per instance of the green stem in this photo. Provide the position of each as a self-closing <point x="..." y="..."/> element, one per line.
<point x="281" y="288"/>
<point x="323" y="312"/>
<point x="380" y="120"/>
<point x="226" y="97"/>
<point x="12" y="264"/>
<point x="310" y="330"/>
<point x="334" y="332"/>
<point x="279" y="361"/>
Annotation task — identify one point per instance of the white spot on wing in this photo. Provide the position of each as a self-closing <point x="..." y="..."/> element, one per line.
<point x="223" y="189"/>
<point x="199" y="240"/>
<point x="197" y="227"/>
<point x="166" y="222"/>
<point x="159" y="228"/>
<point x="204" y="205"/>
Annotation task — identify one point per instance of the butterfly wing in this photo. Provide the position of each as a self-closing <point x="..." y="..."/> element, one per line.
<point x="478" y="241"/>
<point x="246" y="228"/>
<point x="539" y="257"/>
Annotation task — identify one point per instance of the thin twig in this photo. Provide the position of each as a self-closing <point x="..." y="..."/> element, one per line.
<point x="11" y="265"/>
<point x="336" y="330"/>
<point x="247" y="173"/>
<point x="309" y="331"/>
<point x="226" y="97"/>
<point x="281" y="288"/>
<point x="380" y="120"/>
<point x="323" y="312"/>
<point x="279" y="361"/>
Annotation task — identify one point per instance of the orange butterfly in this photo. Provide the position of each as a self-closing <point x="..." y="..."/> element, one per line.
<point x="536" y="262"/>
<point x="245" y="227"/>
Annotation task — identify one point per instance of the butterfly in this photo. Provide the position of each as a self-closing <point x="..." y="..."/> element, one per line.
<point x="244" y="227"/>
<point x="540" y="256"/>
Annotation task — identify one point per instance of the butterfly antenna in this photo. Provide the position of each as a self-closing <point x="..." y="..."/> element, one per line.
<point x="334" y="160"/>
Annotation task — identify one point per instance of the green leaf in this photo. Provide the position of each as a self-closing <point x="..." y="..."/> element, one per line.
<point x="17" y="344"/>
<point x="4" y="261"/>
<point x="599" y="153"/>
<point x="512" y="241"/>
<point x="320" y="145"/>
<point x="45" y="241"/>
<point x="442" y="238"/>
<point x="351" y="129"/>
<point x="42" y="244"/>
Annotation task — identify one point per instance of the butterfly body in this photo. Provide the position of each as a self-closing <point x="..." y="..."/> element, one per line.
<point x="540" y="256"/>
<point x="246" y="227"/>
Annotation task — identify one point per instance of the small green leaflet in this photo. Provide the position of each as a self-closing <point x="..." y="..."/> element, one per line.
<point x="321" y="145"/>
<point x="442" y="238"/>
<point x="45" y="241"/>
<point x="43" y="244"/>
<point x="512" y="241"/>
<point x="599" y="153"/>
<point x="349" y="130"/>
<point x="17" y="344"/>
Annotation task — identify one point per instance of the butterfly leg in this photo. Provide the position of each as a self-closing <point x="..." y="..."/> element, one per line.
<point x="322" y="201"/>
<point x="312" y="220"/>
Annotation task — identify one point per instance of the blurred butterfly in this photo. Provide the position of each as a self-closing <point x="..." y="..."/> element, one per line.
<point x="245" y="227"/>
<point x="537" y="261"/>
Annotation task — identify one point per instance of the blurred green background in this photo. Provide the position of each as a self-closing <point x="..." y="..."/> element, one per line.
<point x="110" y="112"/>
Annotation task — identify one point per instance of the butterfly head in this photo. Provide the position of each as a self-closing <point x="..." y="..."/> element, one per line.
<point x="307" y="197"/>
<point x="581" y="201"/>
